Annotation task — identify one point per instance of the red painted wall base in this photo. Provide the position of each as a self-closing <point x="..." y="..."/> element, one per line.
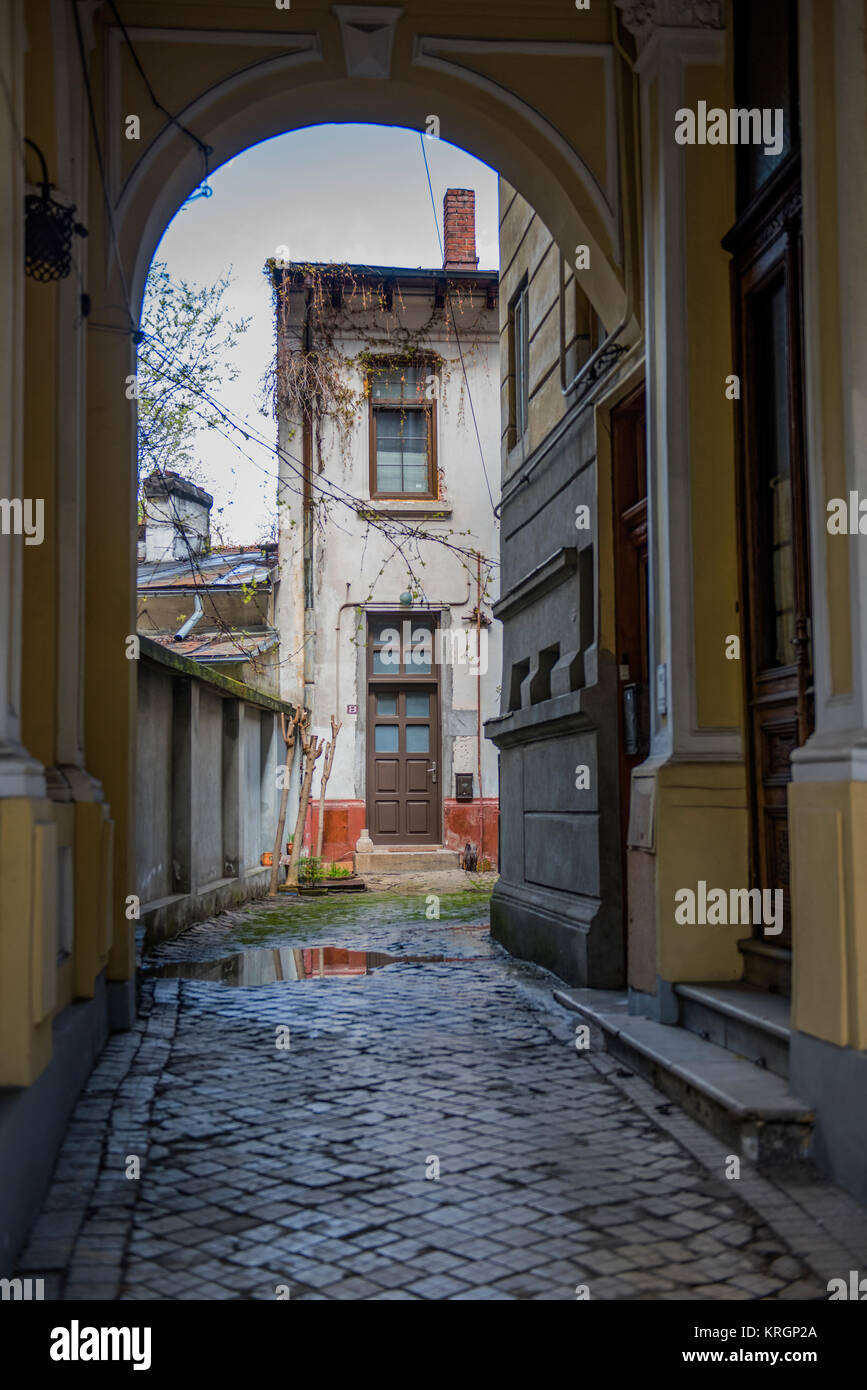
<point x="463" y="821"/>
<point x="473" y="822"/>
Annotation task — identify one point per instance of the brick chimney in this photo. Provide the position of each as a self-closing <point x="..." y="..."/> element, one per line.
<point x="459" y="229"/>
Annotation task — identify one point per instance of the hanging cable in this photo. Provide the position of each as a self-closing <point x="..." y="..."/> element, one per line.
<point x="101" y="166"/>
<point x="205" y="150"/>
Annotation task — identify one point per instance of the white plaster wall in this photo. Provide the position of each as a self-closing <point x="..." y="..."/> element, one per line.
<point x="167" y="518"/>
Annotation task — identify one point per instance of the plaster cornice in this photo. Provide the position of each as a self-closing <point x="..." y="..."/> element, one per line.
<point x="642" y="17"/>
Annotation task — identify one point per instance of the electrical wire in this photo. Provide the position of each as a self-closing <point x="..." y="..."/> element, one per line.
<point x="101" y="165"/>
<point x="397" y="535"/>
<point x="206" y="150"/>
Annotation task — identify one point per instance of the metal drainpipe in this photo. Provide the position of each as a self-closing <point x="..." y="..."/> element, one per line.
<point x="353" y="603"/>
<point x="349" y="604"/>
<point x="307" y="516"/>
<point x="194" y="617"/>
<point x="479" y="702"/>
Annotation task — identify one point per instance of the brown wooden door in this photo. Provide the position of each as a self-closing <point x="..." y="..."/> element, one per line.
<point x="629" y="498"/>
<point x="629" y="466"/>
<point x="774" y="552"/>
<point x="403" y="764"/>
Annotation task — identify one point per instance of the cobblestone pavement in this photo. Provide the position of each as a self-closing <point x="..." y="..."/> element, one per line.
<point x="306" y="1167"/>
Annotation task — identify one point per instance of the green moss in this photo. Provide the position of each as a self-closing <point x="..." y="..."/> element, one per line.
<point x="306" y="917"/>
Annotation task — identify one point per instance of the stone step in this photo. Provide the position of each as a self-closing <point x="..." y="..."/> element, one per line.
<point x="743" y="1019"/>
<point x="749" y="1108"/>
<point x="407" y="861"/>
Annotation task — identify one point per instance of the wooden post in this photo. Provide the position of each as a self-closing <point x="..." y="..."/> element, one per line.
<point x="326" y="773"/>
<point x="288" y="728"/>
<point x="312" y="749"/>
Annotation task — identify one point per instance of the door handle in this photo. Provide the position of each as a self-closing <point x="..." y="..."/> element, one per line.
<point x="433" y="771"/>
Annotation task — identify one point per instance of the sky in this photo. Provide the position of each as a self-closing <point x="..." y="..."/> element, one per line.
<point x="354" y="193"/>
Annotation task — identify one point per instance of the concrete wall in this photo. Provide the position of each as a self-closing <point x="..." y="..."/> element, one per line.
<point x="207" y="793"/>
<point x="154" y="785"/>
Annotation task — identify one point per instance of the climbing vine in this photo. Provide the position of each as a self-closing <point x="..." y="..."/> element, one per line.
<point x="334" y="328"/>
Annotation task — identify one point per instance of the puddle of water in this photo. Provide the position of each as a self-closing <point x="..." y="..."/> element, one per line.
<point x="266" y="965"/>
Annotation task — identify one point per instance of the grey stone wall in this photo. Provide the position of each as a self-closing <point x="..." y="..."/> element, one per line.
<point x="206" y="792"/>
<point x="559" y="897"/>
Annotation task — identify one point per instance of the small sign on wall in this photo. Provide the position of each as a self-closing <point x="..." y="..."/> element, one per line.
<point x="352" y="709"/>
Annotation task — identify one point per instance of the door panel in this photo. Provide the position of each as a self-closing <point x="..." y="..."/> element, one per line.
<point x="417" y="818"/>
<point x="387" y="817"/>
<point x="387" y="775"/>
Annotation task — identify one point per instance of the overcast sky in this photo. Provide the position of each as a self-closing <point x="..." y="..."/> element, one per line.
<point x="355" y="193"/>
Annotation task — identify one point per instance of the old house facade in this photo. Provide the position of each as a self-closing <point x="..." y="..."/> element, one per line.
<point x="387" y="397"/>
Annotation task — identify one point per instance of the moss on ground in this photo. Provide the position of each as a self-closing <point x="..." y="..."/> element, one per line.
<point x="313" y="915"/>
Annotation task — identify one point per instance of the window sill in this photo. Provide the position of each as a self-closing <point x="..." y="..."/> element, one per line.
<point x="426" y="509"/>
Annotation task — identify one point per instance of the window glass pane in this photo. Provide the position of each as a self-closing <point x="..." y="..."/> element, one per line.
<point x="775" y="492"/>
<point x="386" y="662"/>
<point x="401" y="450"/>
<point x="519" y="358"/>
<point x="417" y="705"/>
<point x="414" y="477"/>
<point x="388" y="478"/>
<point x="418" y="738"/>
<point x="418" y="655"/>
<point x="386" y="704"/>
<point x="388" y="429"/>
<point x="386" y="738"/>
<point x="398" y="383"/>
<point x="385" y="632"/>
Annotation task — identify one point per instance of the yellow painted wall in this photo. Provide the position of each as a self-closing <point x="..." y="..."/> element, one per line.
<point x="701" y="833"/>
<point x="828" y="832"/>
<point x="28" y="938"/>
<point x="818" y="118"/>
<point x="709" y="199"/>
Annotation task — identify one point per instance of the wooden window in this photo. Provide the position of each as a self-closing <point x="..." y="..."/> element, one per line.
<point x="402" y="429"/>
<point x="519" y="363"/>
<point x="765" y="78"/>
<point x="589" y="329"/>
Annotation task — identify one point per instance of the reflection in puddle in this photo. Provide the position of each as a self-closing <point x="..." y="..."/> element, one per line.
<point x="265" y="965"/>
